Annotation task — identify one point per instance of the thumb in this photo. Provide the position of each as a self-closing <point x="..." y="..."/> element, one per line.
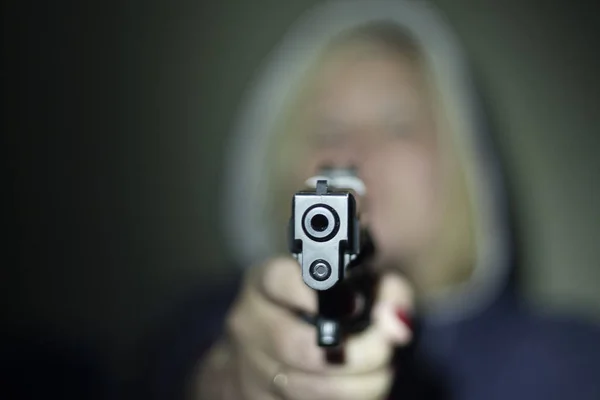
<point x="392" y="309"/>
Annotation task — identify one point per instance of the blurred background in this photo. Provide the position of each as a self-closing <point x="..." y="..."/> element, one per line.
<point x="116" y="119"/>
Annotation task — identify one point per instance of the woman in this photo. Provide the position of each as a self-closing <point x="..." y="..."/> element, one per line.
<point x="381" y="87"/>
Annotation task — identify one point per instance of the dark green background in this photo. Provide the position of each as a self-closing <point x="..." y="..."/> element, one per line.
<point x="117" y="117"/>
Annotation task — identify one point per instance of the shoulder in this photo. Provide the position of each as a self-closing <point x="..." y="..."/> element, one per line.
<point x="561" y="340"/>
<point x="514" y="353"/>
<point x="556" y="356"/>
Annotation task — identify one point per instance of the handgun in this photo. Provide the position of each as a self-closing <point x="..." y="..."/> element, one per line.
<point x="333" y="251"/>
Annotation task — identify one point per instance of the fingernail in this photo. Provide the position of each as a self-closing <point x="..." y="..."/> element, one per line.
<point x="404" y="317"/>
<point x="398" y="331"/>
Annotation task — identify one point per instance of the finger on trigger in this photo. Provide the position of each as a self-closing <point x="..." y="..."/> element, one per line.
<point x="395" y="298"/>
<point x="281" y="282"/>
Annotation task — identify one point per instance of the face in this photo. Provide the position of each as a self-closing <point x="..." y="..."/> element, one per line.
<point x="373" y="112"/>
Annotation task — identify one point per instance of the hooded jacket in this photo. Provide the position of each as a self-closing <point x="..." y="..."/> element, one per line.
<point x="474" y="340"/>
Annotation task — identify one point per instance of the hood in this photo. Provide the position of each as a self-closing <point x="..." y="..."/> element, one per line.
<point x="247" y="186"/>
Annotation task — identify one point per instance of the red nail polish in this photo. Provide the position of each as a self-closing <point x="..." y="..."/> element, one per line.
<point x="403" y="316"/>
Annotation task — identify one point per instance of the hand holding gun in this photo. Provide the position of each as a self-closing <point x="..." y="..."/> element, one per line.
<point x="269" y="352"/>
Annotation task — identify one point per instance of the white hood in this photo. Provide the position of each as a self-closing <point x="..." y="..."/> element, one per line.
<point x="246" y="185"/>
